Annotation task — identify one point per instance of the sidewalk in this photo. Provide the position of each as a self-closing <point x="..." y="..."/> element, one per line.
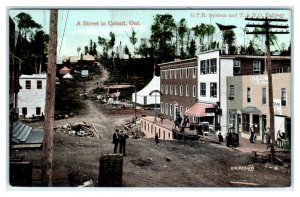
<point x="245" y="145"/>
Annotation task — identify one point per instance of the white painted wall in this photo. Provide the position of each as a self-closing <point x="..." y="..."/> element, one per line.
<point x="32" y="98"/>
<point x="208" y="78"/>
<point x="226" y="70"/>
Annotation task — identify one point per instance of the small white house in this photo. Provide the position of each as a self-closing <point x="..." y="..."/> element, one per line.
<point x="31" y="98"/>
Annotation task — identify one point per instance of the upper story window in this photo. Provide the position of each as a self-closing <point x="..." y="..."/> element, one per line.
<point x="186" y="73"/>
<point x="194" y="91"/>
<point x="162" y="88"/>
<point x="166" y="108"/>
<point x="256" y="66"/>
<point x="181" y="73"/>
<point x="248" y="95"/>
<point x="166" y="89"/>
<point x="171" y="73"/>
<point x="162" y="107"/>
<point x="203" y="67"/>
<point x="166" y="74"/>
<point x="194" y="72"/>
<point x="171" y="89"/>
<point x="279" y="70"/>
<point x="39" y="84"/>
<point x="213" y="65"/>
<point x="175" y="89"/>
<point x="283" y="96"/>
<point x="231" y="92"/>
<point x="264" y="96"/>
<point x="187" y="90"/>
<point x="236" y="66"/>
<point x="28" y="84"/>
<point x="175" y="74"/>
<point x="162" y="74"/>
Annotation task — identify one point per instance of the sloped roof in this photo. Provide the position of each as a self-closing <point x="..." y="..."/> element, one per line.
<point x="154" y="84"/>
<point x="68" y="76"/>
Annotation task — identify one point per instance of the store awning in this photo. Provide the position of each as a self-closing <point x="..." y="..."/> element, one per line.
<point x="251" y="110"/>
<point x="198" y="109"/>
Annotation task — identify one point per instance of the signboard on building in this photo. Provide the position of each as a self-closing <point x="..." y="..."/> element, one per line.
<point x="84" y="73"/>
<point x="277" y="107"/>
<point x="259" y="79"/>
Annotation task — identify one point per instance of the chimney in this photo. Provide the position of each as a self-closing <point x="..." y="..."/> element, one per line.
<point x="226" y="49"/>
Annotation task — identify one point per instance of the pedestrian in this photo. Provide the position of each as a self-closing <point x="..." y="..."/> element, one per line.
<point x="268" y="137"/>
<point x="116" y="140"/>
<point x="156" y="139"/>
<point x="251" y="134"/>
<point x="122" y="148"/>
<point x="279" y="139"/>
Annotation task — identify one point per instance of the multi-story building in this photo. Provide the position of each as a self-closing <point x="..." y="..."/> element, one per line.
<point x="248" y="95"/>
<point x="32" y="96"/>
<point x="179" y="86"/>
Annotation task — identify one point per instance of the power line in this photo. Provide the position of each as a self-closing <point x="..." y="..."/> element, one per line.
<point x="62" y="39"/>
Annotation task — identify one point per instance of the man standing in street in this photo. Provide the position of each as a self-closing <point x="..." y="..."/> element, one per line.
<point x="156" y="139"/>
<point x="116" y="140"/>
<point x="251" y="134"/>
<point x="122" y="148"/>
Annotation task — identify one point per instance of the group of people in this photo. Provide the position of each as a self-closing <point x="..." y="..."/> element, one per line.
<point x="119" y="139"/>
<point x="279" y="137"/>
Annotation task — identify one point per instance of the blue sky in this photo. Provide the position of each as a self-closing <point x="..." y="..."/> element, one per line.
<point x="79" y="36"/>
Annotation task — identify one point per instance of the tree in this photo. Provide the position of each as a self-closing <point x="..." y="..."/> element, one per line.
<point x="162" y="32"/>
<point x="250" y="49"/>
<point x="111" y="42"/>
<point x="192" y="49"/>
<point x="230" y="39"/>
<point x="143" y="49"/>
<point x="182" y="31"/>
<point x="200" y="32"/>
<point x="133" y="39"/>
<point x="38" y="50"/>
<point x="86" y="50"/>
<point x="78" y="50"/>
<point x="210" y="35"/>
<point x="26" y="25"/>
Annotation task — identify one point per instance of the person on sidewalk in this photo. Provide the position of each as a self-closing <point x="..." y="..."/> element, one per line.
<point x="268" y="137"/>
<point x="279" y="139"/>
<point x="116" y="140"/>
<point x="156" y="139"/>
<point x="251" y="134"/>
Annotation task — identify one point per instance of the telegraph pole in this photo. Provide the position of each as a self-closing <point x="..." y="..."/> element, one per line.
<point x="266" y="29"/>
<point x="47" y="153"/>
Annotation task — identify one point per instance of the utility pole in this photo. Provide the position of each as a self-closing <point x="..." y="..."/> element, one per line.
<point x="265" y="29"/>
<point x="47" y="153"/>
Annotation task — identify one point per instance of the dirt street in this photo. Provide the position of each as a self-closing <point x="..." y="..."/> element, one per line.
<point x="170" y="164"/>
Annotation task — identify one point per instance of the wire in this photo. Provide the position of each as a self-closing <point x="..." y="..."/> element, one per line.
<point x="63" y="32"/>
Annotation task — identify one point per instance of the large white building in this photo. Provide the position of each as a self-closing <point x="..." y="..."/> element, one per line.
<point x="31" y="98"/>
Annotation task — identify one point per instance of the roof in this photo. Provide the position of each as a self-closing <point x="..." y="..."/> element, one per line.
<point x="34" y="76"/>
<point x="65" y="68"/>
<point x="68" y="76"/>
<point x="88" y="57"/>
<point x="118" y="86"/>
<point x="154" y="84"/>
<point x="178" y="62"/>
<point x="254" y="57"/>
<point x="198" y="109"/>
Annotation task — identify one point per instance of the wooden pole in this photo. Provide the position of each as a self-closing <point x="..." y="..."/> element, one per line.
<point x="47" y="153"/>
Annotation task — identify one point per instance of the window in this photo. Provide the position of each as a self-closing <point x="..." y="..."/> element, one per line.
<point x="236" y="66"/>
<point x="194" y="91"/>
<point x="166" y="89"/>
<point x="162" y="107"/>
<point x="213" y="66"/>
<point x="213" y="89"/>
<point x="207" y="66"/>
<point x="186" y="108"/>
<point x="194" y="72"/>
<point x="181" y="73"/>
<point x="162" y="88"/>
<point x="194" y="118"/>
<point x="264" y="95"/>
<point x="39" y="84"/>
<point x="175" y="74"/>
<point x="186" y="73"/>
<point x="283" y="96"/>
<point x="181" y="110"/>
<point x="248" y="95"/>
<point x="231" y="92"/>
<point x="166" y="108"/>
<point x="38" y="111"/>
<point x="256" y="67"/>
<point x="279" y="70"/>
<point x="180" y="90"/>
<point x="171" y="72"/>
<point x="28" y="84"/>
<point x="24" y="110"/>
<point x="203" y="67"/>
<point x="171" y="89"/>
<point x="187" y="90"/>
<point x="162" y="74"/>
<point x="171" y="110"/>
<point x="202" y="89"/>
<point x="175" y="90"/>
<point x="166" y="74"/>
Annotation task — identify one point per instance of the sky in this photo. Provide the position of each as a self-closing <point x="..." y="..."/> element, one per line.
<point x="79" y="29"/>
<point x="82" y="25"/>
